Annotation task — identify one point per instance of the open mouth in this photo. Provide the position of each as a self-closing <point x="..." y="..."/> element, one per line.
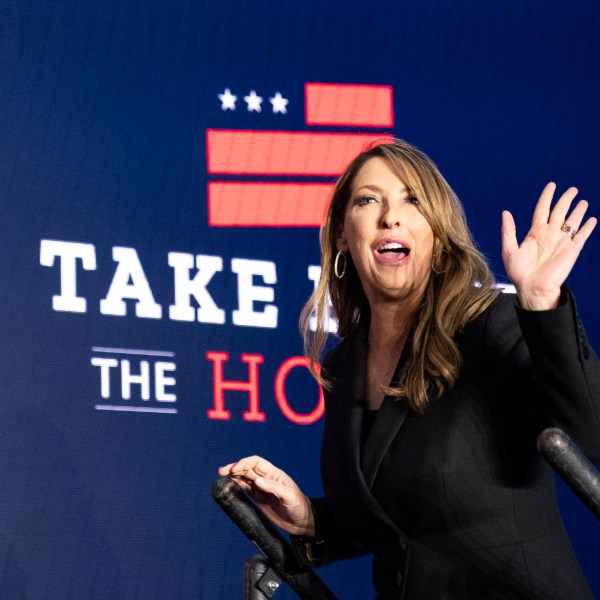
<point x="394" y="249"/>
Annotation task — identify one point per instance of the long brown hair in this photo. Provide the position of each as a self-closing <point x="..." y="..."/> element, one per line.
<point x="460" y="286"/>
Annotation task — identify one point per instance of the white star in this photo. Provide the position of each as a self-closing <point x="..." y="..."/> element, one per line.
<point x="279" y="103"/>
<point x="253" y="101"/>
<point x="227" y="100"/>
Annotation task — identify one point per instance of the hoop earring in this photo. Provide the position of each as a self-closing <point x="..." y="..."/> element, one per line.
<point x="435" y="270"/>
<point x="444" y="269"/>
<point x="335" y="264"/>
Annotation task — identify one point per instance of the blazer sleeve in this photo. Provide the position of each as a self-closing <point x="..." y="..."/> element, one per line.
<point x="552" y="369"/>
<point x="329" y="543"/>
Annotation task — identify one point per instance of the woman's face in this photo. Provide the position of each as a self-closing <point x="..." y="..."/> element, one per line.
<point x="390" y="241"/>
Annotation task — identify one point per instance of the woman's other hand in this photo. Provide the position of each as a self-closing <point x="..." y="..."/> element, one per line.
<point x="541" y="263"/>
<point x="274" y="492"/>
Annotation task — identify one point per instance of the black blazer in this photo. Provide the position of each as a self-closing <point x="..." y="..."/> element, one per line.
<point x="456" y="502"/>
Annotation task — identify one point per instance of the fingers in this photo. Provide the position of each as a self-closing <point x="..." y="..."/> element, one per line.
<point x="246" y="471"/>
<point x="542" y="208"/>
<point x="225" y="470"/>
<point x="542" y="213"/>
<point x="256" y="463"/>
<point x="558" y="216"/>
<point x="252" y="467"/>
<point x="254" y="470"/>
<point x="575" y="219"/>
<point x="284" y="493"/>
<point x="576" y="216"/>
<point x="584" y="233"/>
<point x="560" y="210"/>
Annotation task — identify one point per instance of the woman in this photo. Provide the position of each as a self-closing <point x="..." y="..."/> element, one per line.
<point x="436" y="394"/>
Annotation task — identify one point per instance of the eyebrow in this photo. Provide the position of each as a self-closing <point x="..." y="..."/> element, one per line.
<point x="376" y="188"/>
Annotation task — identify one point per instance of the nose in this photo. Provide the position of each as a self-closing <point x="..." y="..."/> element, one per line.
<point x="390" y="216"/>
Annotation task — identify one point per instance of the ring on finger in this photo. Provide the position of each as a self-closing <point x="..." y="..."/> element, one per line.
<point x="570" y="231"/>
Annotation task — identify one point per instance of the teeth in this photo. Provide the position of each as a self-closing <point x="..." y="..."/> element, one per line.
<point x="392" y="246"/>
<point x="395" y="247"/>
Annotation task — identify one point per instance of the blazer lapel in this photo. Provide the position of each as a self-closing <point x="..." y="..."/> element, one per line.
<point x="354" y="374"/>
<point x="350" y="375"/>
<point x="389" y="419"/>
<point x="365" y="462"/>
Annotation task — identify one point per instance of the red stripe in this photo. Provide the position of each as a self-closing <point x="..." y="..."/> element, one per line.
<point x="266" y="204"/>
<point x="353" y="105"/>
<point x="282" y="152"/>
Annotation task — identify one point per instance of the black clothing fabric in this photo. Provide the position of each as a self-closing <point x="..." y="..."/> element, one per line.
<point x="456" y="503"/>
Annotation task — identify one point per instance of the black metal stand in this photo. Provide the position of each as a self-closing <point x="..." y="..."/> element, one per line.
<point x="260" y="580"/>
<point x="262" y="576"/>
<point x="572" y="465"/>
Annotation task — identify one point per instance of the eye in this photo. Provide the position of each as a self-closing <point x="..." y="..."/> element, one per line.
<point x="364" y="200"/>
<point x="413" y="200"/>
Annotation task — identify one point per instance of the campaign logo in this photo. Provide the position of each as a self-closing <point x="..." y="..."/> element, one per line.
<point x="304" y="158"/>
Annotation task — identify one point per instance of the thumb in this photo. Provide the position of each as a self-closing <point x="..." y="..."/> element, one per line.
<point x="509" y="234"/>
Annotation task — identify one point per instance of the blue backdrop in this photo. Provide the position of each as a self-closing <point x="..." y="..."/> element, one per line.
<point x="111" y="429"/>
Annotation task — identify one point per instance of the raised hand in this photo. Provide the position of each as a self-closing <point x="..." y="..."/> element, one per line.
<point x="274" y="492"/>
<point x="541" y="263"/>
